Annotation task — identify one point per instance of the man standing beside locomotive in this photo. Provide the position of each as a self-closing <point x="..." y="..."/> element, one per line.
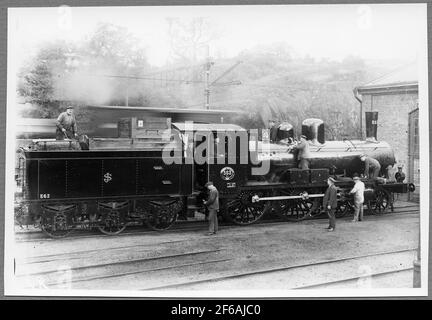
<point x="371" y="165"/>
<point x="330" y="203"/>
<point x="303" y="153"/>
<point x="213" y="206"/>
<point x="66" y="125"/>
<point x="358" y="191"/>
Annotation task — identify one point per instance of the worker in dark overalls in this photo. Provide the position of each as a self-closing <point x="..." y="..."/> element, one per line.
<point x="400" y="175"/>
<point x="273" y="130"/>
<point x="66" y="125"/>
<point x="372" y="166"/>
<point x="213" y="206"/>
<point x="303" y="155"/>
<point x="330" y="203"/>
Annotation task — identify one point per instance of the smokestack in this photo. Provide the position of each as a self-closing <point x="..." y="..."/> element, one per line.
<point x="313" y="129"/>
<point x="371" y="124"/>
<point x="285" y="131"/>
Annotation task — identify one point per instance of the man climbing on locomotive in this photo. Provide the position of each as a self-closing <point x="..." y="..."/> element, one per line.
<point x="66" y="125"/>
<point x="273" y="130"/>
<point x="372" y="166"/>
<point x="303" y="155"/>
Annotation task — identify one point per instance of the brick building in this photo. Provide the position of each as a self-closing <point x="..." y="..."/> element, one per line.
<point x="395" y="97"/>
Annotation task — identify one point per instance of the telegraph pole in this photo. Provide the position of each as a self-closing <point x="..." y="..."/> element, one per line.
<point x="207" y="78"/>
<point x="207" y="83"/>
<point x="208" y="65"/>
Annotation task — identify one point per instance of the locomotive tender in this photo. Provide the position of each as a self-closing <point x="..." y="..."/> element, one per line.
<point x="110" y="183"/>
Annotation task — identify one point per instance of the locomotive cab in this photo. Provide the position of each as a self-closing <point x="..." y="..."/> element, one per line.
<point x="220" y="154"/>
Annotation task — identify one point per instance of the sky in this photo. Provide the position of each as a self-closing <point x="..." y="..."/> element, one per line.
<point x="383" y="31"/>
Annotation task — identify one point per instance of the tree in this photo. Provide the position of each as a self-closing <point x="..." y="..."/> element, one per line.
<point x="275" y="85"/>
<point x="189" y="40"/>
<point x="92" y="71"/>
<point x="38" y="79"/>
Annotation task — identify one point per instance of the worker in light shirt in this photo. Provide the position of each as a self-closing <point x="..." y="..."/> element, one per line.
<point x="358" y="192"/>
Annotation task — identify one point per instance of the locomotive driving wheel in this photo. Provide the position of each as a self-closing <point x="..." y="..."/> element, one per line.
<point x="344" y="205"/>
<point x="56" y="220"/>
<point x="242" y="211"/>
<point x="294" y="209"/>
<point x="113" y="219"/>
<point x="162" y="214"/>
<point x="380" y="203"/>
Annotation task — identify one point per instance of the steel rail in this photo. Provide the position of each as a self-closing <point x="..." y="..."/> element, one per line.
<point x="108" y="264"/>
<point x="377" y="274"/>
<point x="123" y="274"/>
<point x="271" y="270"/>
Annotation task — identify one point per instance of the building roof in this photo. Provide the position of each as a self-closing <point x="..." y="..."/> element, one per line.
<point x="164" y="110"/>
<point x="404" y="79"/>
<point x="182" y="126"/>
<point x="108" y="113"/>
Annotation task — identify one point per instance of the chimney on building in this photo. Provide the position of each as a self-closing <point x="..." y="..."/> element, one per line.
<point x="371" y="125"/>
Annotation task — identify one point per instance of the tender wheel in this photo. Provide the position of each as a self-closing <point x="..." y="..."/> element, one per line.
<point x="56" y="221"/>
<point x="113" y="219"/>
<point x="21" y="215"/>
<point x="161" y="215"/>
<point x="380" y="203"/>
<point x="296" y="209"/>
<point x="242" y="211"/>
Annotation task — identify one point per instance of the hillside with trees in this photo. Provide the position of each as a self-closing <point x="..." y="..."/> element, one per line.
<point x="109" y="67"/>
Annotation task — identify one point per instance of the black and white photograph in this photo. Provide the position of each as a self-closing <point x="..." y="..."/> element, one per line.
<point x="199" y="151"/>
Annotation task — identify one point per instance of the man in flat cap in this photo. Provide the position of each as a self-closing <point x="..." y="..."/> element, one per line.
<point x="358" y="191"/>
<point x="303" y="153"/>
<point x="330" y="203"/>
<point x="399" y="175"/>
<point x="66" y="125"/>
<point x="213" y="206"/>
<point x="372" y="166"/>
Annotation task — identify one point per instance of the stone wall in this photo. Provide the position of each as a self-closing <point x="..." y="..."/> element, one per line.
<point x="393" y="112"/>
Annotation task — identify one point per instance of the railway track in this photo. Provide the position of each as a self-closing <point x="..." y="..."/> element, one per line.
<point x="85" y="276"/>
<point x="216" y="282"/>
<point x="26" y="236"/>
<point x="48" y="272"/>
<point x="270" y="255"/>
<point x="353" y="280"/>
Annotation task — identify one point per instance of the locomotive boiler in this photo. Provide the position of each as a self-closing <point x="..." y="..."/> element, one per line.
<point x="110" y="183"/>
<point x="340" y="157"/>
<point x="295" y="194"/>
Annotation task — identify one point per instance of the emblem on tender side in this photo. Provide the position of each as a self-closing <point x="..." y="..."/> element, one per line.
<point x="227" y="173"/>
<point x="107" y="177"/>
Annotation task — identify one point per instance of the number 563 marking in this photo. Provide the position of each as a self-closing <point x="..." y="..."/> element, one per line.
<point x="44" y="196"/>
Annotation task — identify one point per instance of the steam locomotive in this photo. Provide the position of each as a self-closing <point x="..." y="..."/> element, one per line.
<point x="155" y="169"/>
